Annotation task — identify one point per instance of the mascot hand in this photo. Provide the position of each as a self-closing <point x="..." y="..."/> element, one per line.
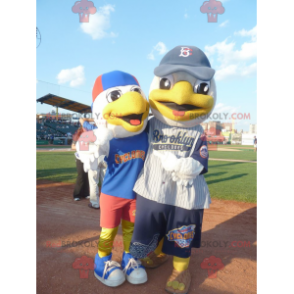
<point x="186" y="170"/>
<point x="181" y="181"/>
<point x="103" y="136"/>
<point x="183" y="170"/>
<point x="168" y="160"/>
<point x="91" y="153"/>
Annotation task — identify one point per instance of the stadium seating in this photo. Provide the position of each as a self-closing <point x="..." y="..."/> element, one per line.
<point x="43" y="131"/>
<point x="62" y="127"/>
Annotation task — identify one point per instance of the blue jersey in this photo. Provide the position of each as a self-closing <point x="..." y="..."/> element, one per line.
<point x="125" y="161"/>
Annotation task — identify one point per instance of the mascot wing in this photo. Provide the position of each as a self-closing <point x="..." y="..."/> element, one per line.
<point x="92" y="146"/>
<point x="182" y="170"/>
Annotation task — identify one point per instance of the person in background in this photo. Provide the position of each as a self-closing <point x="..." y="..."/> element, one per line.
<point x="52" y="139"/>
<point x="82" y="183"/>
<point x="255" y="144"/>
<point x="95" y="176"/>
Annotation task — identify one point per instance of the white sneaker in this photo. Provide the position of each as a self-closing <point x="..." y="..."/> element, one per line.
<point x="108" y="271"/>
<point x="95" y="206"/>
<point x="77" y="199"/>
<point x="133" y="269"/>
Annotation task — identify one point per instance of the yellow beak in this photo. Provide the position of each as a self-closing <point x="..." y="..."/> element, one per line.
<point x="180" y="103"/>
<point x="129" y="111"/>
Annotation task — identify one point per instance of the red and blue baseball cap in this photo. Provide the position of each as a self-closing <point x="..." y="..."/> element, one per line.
<point x="112" y="79"/>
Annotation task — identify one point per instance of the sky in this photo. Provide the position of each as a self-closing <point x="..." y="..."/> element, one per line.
<point x="133" y="36"/>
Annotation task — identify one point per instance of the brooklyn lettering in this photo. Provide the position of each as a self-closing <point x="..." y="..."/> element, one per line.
<point x="179" y="139"/>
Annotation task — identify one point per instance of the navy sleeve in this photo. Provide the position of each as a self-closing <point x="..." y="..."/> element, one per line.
<point x="200" y="153"/>
<point x="88" y="126"/>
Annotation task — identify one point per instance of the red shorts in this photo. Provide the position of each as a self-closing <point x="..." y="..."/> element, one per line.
<point x="113" y="209"/>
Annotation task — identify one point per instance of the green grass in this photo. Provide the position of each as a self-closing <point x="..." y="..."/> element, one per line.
<point x="242" y="155"/>
<point x="226" y="180"/>
<point x="56" y="166"/>
<point x="232" y="180"/>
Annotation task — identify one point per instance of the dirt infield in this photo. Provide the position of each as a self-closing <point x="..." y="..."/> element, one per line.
<point x="67" y="230"/>
<point x="227" y="149"/>
<point x="53" y="149"/>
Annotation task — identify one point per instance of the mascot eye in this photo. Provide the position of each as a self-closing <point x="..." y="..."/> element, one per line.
<point x="202" y="87"/>
<point x="113" y="95"/>
<point x="138" y="90"/>
<point x="165" y="84"/>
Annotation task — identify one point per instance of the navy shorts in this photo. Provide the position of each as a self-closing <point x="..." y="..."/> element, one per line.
<point x="180" y="228"/>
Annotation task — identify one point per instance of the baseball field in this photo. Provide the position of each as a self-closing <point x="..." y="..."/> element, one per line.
<point x="68" y="230"/>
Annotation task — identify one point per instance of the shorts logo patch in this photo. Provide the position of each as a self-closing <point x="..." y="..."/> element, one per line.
<point x="183" y="236"/>
<point x="204" y="151"/>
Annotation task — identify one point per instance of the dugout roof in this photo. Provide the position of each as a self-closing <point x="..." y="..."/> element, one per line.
<point x="64" y="103"/>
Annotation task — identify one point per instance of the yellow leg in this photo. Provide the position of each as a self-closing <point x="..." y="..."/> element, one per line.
<point x="106" y="241"/>
<point x="127" y="229"/>
<point x="155" y="258"/>
<point x="181" y="264"/>
<point x="180" y="279"/>
<point x="158" y="249"/>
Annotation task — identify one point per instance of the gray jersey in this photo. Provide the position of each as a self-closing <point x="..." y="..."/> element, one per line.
<point x="155" y="183"/>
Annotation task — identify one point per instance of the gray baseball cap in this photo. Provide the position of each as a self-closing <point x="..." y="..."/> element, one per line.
<point x="189" y="59"/>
